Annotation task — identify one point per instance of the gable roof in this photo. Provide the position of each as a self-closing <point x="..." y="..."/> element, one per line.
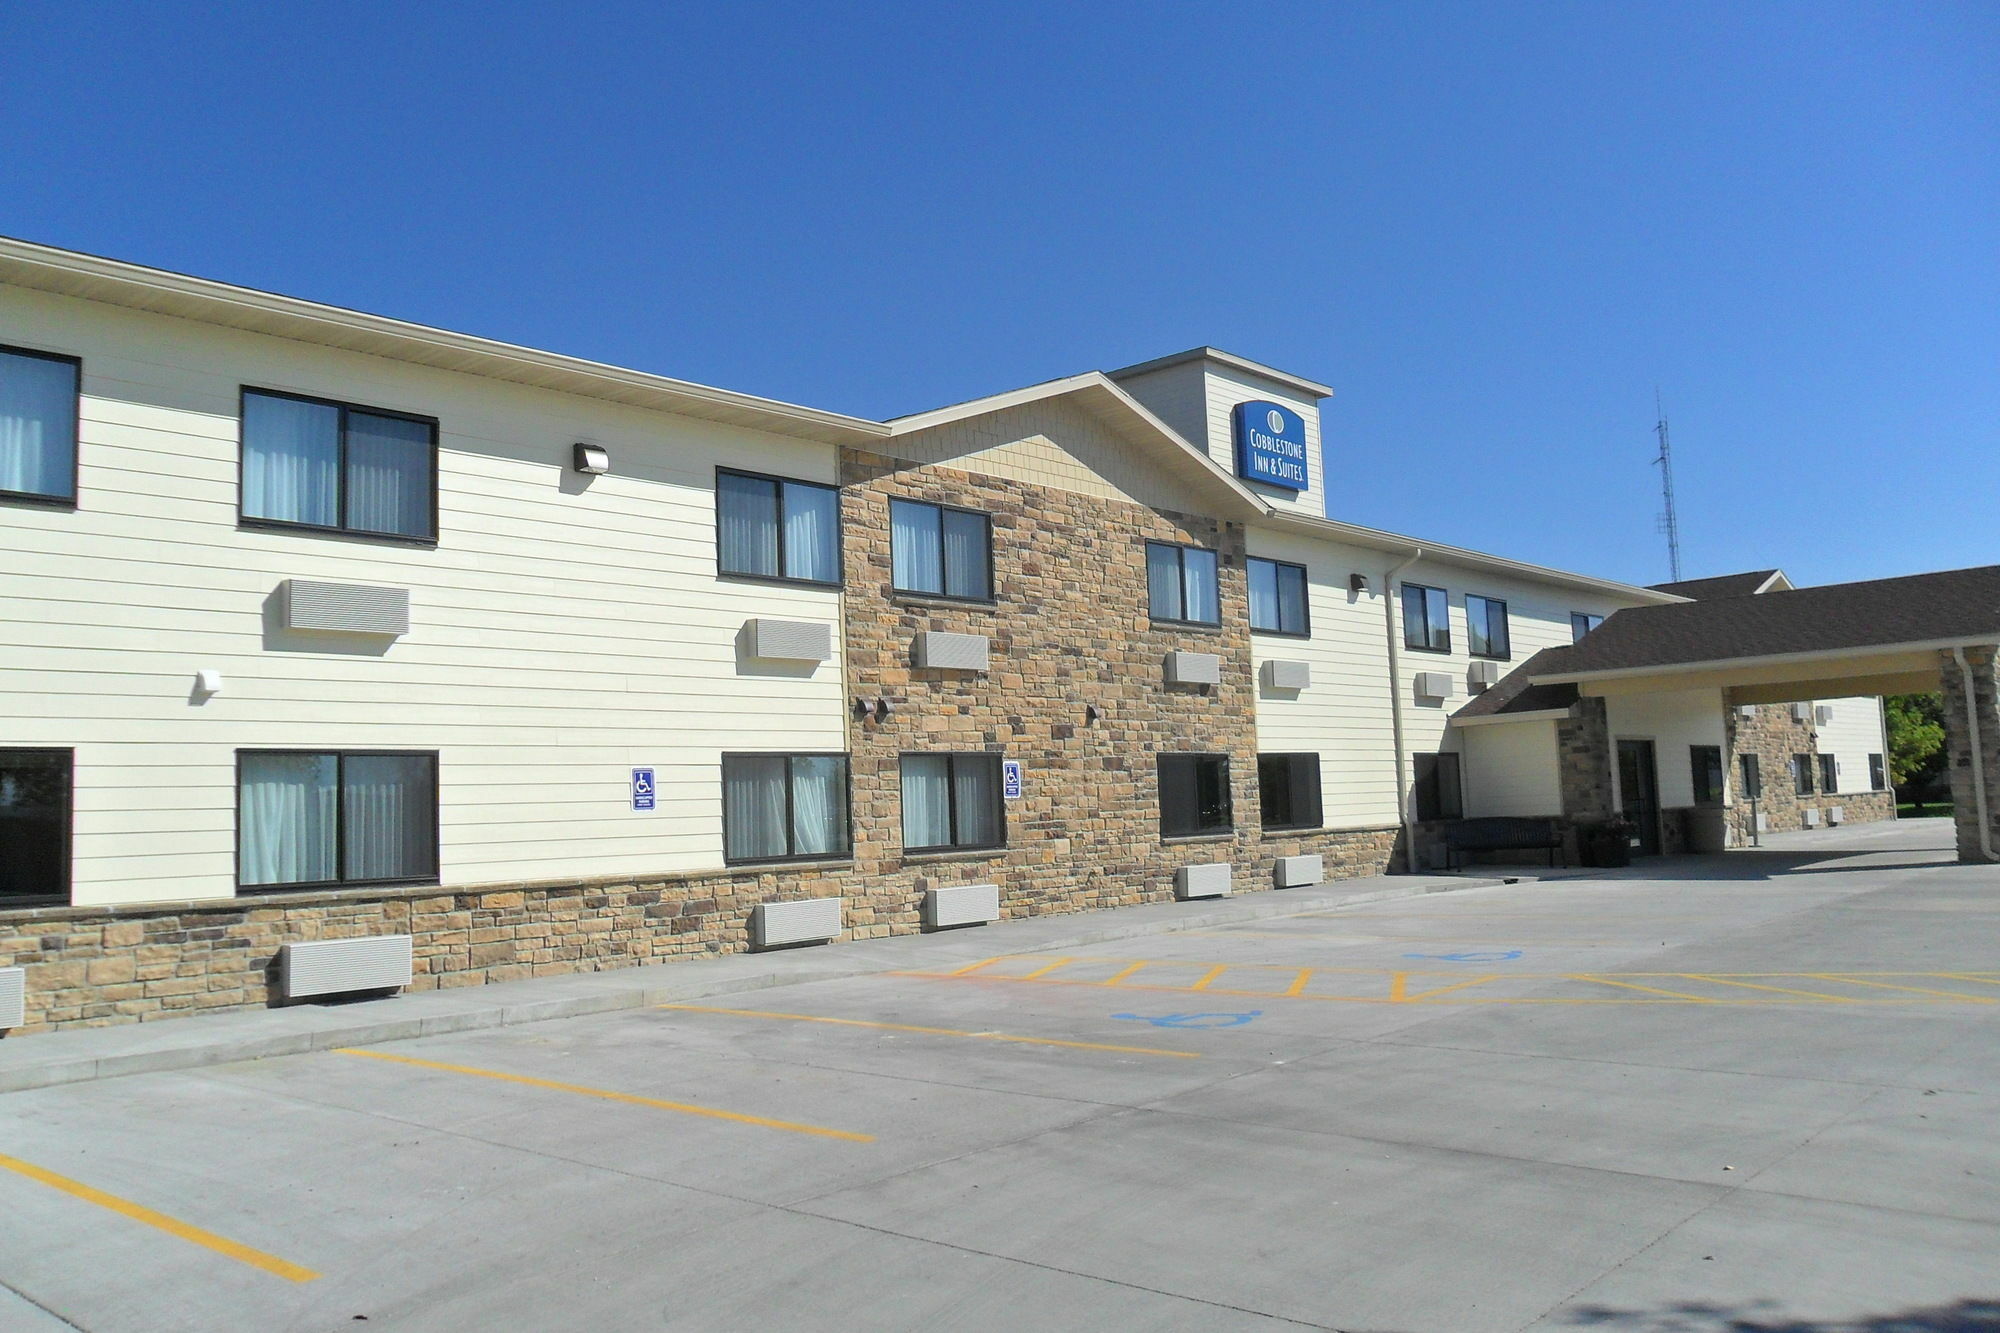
<point x="1242" y="364"/>
<point x="1746" y="584"/>
<point x="1515" y="696"/>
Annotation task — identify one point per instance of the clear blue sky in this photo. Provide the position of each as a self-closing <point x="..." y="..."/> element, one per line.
<point x="1493" y="228"/>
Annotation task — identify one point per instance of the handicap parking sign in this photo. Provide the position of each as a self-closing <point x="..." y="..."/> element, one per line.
<point x="642" y="789"/>
<point x="1010" y="779"/>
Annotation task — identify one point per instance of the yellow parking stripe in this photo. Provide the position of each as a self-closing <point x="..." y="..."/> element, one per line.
<point x="1919" y="990"/>
<point x="1298" y="985"/>
<point x="937" y="1032"/>
<point x="1678" y="995"/>
<point x="685" y="1108"/>
<point x="270" y="1263"/>
<point x="1121" y="975"/>
<point x="1041" y="971"/>
<point x="1782" y="990"/>
<point x="1209" y="976"/>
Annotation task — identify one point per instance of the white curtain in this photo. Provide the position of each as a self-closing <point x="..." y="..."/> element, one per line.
<point x="291" y="457"/>
<point x="749" y="523"/>
<point x="976" y="784"/>
<point x="37" y="425"/>
<point x="1201" y="593"/>
<point x="965" y="554"/>
<point x="753" y="807"/>
<point x="389" y="810"/>
<point x="926" y="801"/>
<point x="388" y="475"/>
<point x="819" y="805"/>
<point x="1291" y="599"/>
<point x="812" y="526"/>
<point x="287" y="819"/>
<point x="1163" y="581"/>
<point x="1264" y="595"/>
<point x="914" y="558"/>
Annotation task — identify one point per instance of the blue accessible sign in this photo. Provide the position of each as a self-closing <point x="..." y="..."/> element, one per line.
<point x="1010" y="779"/>
<point x="642" y="789"/>
<point x="1271" y="445"/>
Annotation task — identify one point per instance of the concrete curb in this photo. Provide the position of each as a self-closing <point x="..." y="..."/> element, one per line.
<point x="45" y="1060"/>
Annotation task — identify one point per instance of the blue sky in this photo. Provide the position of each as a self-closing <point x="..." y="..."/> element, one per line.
<point x="1493" y="228"/>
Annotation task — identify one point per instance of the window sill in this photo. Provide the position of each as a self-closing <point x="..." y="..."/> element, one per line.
<point x="1491" y="657"/>
<point x="942" y="602"/>
<point x="1280" y="633"/>
<point x="39" y="501"/>
<point x="1177" y="626"/>
<point x="793" y="863"/>
<point x="1294" y="829"/>
<point x="776" y="581"/>
<point x="1439" y="652"/>
<point x="1226" y="835"/>
<point x="346" y="534"/>
<point x="955" y="854"/>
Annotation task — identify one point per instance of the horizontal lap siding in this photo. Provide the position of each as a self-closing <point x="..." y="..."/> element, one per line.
<point x="562" y="633"/>
<point x="1852" y="734"/>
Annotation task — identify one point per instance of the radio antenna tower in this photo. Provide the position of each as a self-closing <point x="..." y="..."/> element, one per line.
<point x="1670" y="523"/>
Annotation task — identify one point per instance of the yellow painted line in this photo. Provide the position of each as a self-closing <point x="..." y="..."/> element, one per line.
<point x="1042" y="971"/>
<point x="1120" y="976"/>
<point x="605" y="1094"/>
<point x="1951" y="976"/>
<point x="1782" y="990"/>
<point x="938" y="1032"/>
<point x="173" y="1226"/>
<point x="1399" y="987"/>
<point x="1210" y="976"/>
<point x="969" y="969"/>
<point x="1678" y="995"/>
<point x="1920" y="990"/>
<point x="1441" y="990"/>
<point x="1299" y="982"/>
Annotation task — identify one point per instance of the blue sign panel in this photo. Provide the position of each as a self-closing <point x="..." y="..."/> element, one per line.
<point x="1271" y="445"/>
<point x="1010" y="779"/>
<point x="642" y="789"/>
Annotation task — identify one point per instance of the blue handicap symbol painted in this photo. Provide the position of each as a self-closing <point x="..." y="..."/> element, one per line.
<point x="1490" y="956"/>
<point x="1195" y="1020"/>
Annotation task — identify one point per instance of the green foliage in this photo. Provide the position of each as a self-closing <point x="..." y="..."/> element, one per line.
<point x="1916" y="737"/>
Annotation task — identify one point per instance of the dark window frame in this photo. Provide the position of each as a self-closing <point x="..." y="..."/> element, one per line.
<point x="1802" y="775"/>
<point x="1292" y="760"/>
<point x="789" y="580"/>
<point x="1752" y="769"/>
<point x="1878" y="773"/>
<point x="996" y="758"/>
<point x="1160" y="762"/>
<point x="1180" y="564"/>
<point x="1829" y="774"/>
<point x="1506" y="653"/>
<point x="39" y="498"/>
<point x="1403" y="592"/>
<point x="1704" y="763"/>
<point x="67" y="877"/>
<point x="340" y="529"/>
<point x="1576" y="634"/>
<point x="340" y="821"/>
<point x="992" y="579"/>
<point x="1454" y="808"/>
<point x="1305" y="597"/>
<point x="847" y="782"/>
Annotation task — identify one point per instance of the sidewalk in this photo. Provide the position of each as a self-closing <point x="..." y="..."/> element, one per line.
<point x="42" y="1059"/>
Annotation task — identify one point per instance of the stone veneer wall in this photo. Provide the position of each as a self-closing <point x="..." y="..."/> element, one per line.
<point x="1774" y="736"/>
<point x="1958" y="709"/>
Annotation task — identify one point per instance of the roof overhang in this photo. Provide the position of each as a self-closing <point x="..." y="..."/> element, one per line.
<point x="1899" y="668"/>
<point x="1241" y="364"/>
<point x="1494" y="719"/>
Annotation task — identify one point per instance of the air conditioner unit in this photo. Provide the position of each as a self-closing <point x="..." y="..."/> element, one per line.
<point x="1483" y="676"/>
<point x="962" y="905"/>
<point x="1763" y="821"/>
<point x="1811" y="818"/>
<point x="953" y="652"/>
<point x="1287" y="675"/>
<point x="345" y="608"/>
<point x="1835" y="814"/>
<point x="13" y="997"/>
<point x="1823" y="714"/>
<point x="1746" y="711"/>
<point x="802" y="921"/>
<point x="1298" y="872"/>
<point x="1800" y="712"/>
<point x="1433" y="685"/>
<point x="1206" y="881"/>
<point x="1194" y="669"/>
<point x="341" y="967"/>
<point x="790" y="640"/>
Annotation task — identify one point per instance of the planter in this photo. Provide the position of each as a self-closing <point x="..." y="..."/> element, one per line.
<point x="1604" y="845"/>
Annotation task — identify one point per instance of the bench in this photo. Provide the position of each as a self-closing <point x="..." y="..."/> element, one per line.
<point x="1501" y="833"/>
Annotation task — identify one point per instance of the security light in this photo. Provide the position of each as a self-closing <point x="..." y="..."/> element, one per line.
<point x="1357" y="583"/>
<point x="592" y="460"/>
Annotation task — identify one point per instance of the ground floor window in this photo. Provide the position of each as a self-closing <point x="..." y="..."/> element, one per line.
<point x="779" y="807"/>
<point x="1878" y="777"/>
<point x="1802" y="774"/>
<point x="951" y="802"/>
<point x="34" y="826"/>
<point x="1439" y="794"/>
<point x="1194" y="795"/>
<point x="1707" y="765"/>
<point x="1753" y="777"/>
<point x="319" y="818"/>
<point x="1288" y="790"/>
<point x="1829" y="774"/>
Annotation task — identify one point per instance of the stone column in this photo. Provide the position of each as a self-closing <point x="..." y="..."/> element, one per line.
<point x="1959" y="713"/>
<point x="1583" y="744"/>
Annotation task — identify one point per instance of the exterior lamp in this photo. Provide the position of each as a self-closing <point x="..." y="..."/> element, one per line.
<point x="592" y="460"/>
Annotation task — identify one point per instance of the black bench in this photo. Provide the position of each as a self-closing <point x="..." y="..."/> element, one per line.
<point x="1501" y="833"/>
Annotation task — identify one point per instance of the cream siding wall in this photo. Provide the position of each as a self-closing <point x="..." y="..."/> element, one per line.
<point x="1673" y="722"/>
<point x="563" y="631"/>
<point x="1510" y="768"/>
<point x="1852" y="734"/>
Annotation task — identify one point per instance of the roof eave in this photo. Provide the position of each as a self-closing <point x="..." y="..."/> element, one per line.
<point x="1767" y="659"/>
<point x="1238" y="363"/>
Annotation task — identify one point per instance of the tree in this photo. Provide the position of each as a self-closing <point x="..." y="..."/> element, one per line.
<point x="1916" y="739"/>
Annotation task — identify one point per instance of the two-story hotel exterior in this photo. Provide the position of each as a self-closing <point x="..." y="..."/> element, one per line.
<point x="321" y="625"/>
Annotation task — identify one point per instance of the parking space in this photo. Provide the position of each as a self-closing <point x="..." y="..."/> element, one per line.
<point x="1494" y="1109"/>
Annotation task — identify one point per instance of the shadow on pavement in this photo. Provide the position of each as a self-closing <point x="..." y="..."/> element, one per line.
<point x="1968" y="1315"/>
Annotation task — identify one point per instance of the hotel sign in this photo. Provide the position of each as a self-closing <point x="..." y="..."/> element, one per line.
<point x="1271" y="445"/>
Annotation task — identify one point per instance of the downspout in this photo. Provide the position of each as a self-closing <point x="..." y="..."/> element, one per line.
<point x="1396" y="707"/>
<point x="1979" y="808"/>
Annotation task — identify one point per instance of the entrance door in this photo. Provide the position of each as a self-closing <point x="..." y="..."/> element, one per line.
<point x="1639" y="794"/>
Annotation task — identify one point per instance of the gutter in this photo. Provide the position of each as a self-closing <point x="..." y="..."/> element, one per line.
<point x="1979" y="806"/>
<point x="1396" y="706"/>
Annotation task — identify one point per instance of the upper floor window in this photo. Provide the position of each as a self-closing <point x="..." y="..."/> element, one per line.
<point x="1426" y="618"/>
<point x="1705" y="762"/>
<point x="314" y="464"/>
<point x="1181" y="584"/>
<point x="777" y="528"/>
<point x="1278" y="598"/>
<point x="952" y="802"/>
<point x="1486" y="627"/>
<point x="38" y="401"/>
<point x="1582" y="623"/>
<point x="940" y="551"/>
<point x="34" y="826"/>
<point x="1194" y="795"/>
<point x="780" y="807"/>
<point x="317" y="818"/>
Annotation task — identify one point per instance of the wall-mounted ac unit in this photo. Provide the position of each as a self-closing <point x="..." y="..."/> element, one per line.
<point x="1482" y="676"/>
<point x="962" y="905"/>
<point x="1801" y="711"/>
<point x="1433" y="685"/>
<point x="345" y="608"/>
<point x="1194" y="669"/>
<point x="1287" y="675"/>
<point x="1835" y="814"/>
<point x="13" y="997"/>
<point x="1823" y="714"/>
<point x="1298" y="872"/>
<point x="1746" y="711"/>
<point x="340" y="967"/>
<point x="791" y="640"/>
<point x="803" y="921"/>
<point x="1763" y="821"/>
<point x="1207" y="881"/>
<point x="1811" y="818"/>
<point x="953" y="652"/>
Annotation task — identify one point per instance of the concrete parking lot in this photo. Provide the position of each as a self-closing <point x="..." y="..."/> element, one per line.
<point x="1761" y="1088"/>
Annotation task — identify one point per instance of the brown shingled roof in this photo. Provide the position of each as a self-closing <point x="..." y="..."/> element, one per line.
<point x="1515" y="692"/>
<point x="1722" y="585"/>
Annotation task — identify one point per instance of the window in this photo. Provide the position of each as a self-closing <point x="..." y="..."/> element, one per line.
<point x="1829" y="774"/>
<point x="38" y="405"/>
<point x="1753" y="780"/>
<point x="1278" y="598"/>
<point x="774" y="528"/>
<point x="1486" y="627"/>
<point x="1181" y="584"/>
<point x="1194" y="795"/>
<point x="1437" y="789"/>
<point x="951" y="802"/>
<point x="34" y="826"/>
<point x="782" y="807"/>
<point x="1582" y="623"/>
<point x="1288" y="790"/>
<point x="314" y="464"/>
<point x="315" y="819"/>
<point x="1706" y="761"/>
<point x="1802" y="774"/>
<point x="1426" y="619"/>
<point x="940" y="551"/>
<point x="1878" y="777"/>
